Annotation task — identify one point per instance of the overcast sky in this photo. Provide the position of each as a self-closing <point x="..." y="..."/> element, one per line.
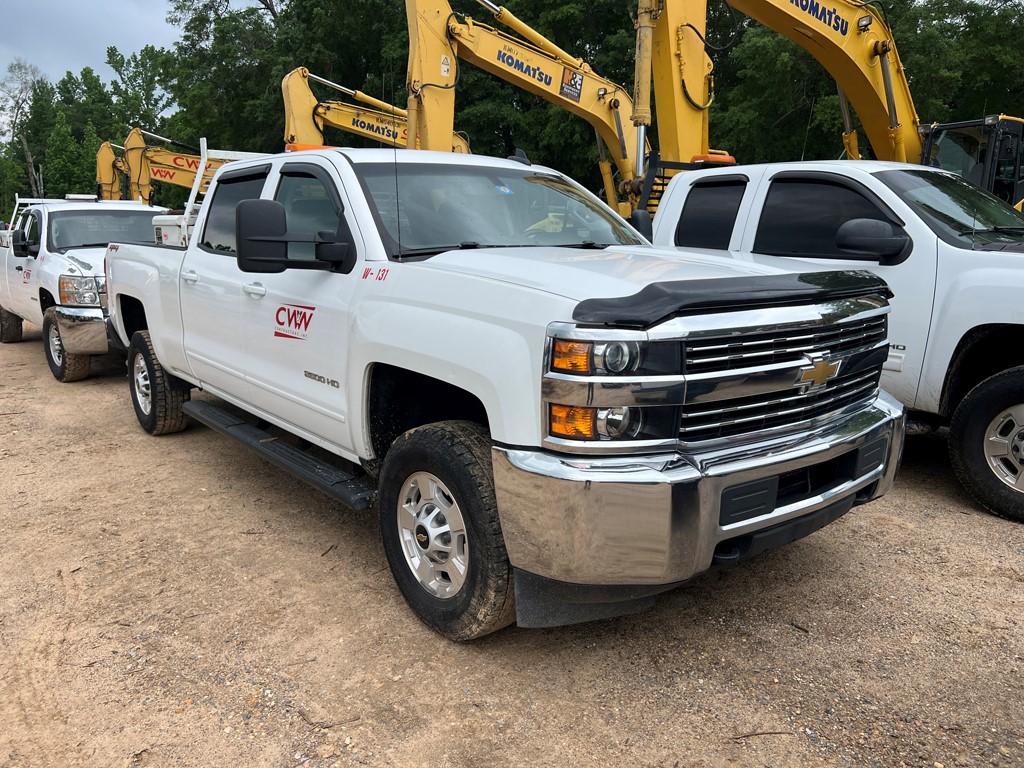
<point x="62" y="35"/>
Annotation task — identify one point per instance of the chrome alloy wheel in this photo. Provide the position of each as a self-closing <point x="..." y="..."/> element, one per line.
<point x="140" y="381"/>
<point x="433" y="535"/>
<point x="56" y="345"/>
<point x="1004" y="447"/>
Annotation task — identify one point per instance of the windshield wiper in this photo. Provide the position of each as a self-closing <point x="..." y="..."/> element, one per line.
<point x="587" y="245"/>
<point x="65" y="248"/>
<point x="433" y="250"/>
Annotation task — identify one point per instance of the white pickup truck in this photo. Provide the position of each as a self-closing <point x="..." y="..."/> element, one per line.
<point x="556" y="420"/>
<point x="52" y="260"/>
<point x="953" y="256"/>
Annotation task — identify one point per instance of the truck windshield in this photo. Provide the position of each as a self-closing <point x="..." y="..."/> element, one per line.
<point x="958" y="212"/>
<point x="83" y="229"/>
<point x="424" y="209"/>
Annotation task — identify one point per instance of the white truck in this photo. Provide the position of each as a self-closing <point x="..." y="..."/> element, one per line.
<point x="52" y="260"/>
<point x="540" y="404"/>
<point x="952" y="254"/>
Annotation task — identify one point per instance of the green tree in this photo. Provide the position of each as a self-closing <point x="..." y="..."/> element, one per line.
<point x="62" y="170"/>
<point x="138" y="97"/>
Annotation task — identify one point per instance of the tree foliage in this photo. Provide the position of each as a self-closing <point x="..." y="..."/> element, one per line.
<point x="221" y="80"/>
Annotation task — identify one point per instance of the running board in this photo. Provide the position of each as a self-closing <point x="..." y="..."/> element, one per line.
<point x="352" y="490"/>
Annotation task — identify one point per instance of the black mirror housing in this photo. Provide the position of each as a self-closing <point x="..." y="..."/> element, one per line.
<point x="873" y="240"/>
<point x="642" y="222"/>
<point x="19" y="246"/>
<point x="339" y="254"/>
<point x="261" y="227"/>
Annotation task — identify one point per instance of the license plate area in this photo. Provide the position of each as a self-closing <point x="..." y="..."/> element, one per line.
<point x="763" y="496"/>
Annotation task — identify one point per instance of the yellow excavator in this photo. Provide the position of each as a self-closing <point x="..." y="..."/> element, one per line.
<point x="140" y="164"/>
<point x="854" y="44"/>
<point x="110" y="172"/>
<point x="439" y="39"/>
<point x="306" y="116"/>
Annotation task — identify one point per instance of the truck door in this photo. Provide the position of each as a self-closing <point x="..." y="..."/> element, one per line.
<point x="210" y="285"/>
<point x="800" y="213"/>
<point x="23" y="271"/>
<point x="298" y="321"/>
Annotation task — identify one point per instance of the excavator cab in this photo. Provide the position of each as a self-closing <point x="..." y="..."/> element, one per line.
<point x="986" y="152"/>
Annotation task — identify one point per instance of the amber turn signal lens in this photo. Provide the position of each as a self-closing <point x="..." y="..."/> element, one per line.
<point x="571" y="356"/>
<point x="572" y="421"/>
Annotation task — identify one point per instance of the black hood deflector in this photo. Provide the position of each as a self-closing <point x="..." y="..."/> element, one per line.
<point x="660" y="301"/>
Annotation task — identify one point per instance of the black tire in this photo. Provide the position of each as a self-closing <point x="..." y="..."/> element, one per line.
<point x="10" y="327"/>
<point x="967" y="431"/>
<point x="69" y="367"/>
<point x="167" y="393"/>
<point x="459" y="454"/>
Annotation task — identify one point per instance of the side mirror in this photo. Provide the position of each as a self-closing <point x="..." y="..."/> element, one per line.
<point x="334" y="249"/>
<point x="261" y="227"/>
<point x="641" y="221"/>
<point x="19" y="246"/>
<point x="873" y="240"/>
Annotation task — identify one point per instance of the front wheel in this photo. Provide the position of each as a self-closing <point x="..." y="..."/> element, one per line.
<point x="157" y="396"/>
<point x="64" y="366"/>
<point x="986" y="443"/>
<point x="441" y="533"/>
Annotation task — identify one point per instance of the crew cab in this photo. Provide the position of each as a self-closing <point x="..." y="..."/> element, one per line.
<point x="52" y="256"/>
<point x="953" y="256"/>
<point x="555" y="420"/>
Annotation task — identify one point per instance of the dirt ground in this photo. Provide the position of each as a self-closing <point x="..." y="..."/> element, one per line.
<point x="176" y="601"/>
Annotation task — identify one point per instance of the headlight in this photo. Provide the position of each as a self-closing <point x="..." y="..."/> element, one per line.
<point x="78" y="291"/>
<point x="616" y="358"/>
<point x="580" y="422"/>
<point x="620" y="423"/>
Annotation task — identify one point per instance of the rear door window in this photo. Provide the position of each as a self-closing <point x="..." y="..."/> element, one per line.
<point x="709" y="214"/>
<point x="801" y="217"/>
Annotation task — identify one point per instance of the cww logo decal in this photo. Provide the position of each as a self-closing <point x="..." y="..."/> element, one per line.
<point x="292" y="321"/>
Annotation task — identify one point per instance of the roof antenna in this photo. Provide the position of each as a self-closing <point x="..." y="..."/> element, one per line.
<point x="394" y="150"/>
<point x="520" y="157"/>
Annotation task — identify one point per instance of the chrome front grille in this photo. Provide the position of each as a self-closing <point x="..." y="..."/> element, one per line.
<point x="859" y="346"/>
<point x="101" y="288"/>
<point x="725" y="353"/>
<point x="728" y="418"/>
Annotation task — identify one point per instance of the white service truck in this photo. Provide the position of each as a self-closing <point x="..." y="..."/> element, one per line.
<point x="544" y="408"/>
<point x="952" y="254"/>
<point x="52" y="260"/>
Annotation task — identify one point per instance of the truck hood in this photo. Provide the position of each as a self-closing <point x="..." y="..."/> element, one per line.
<point x="582" y="274"/>
<point x="639" y="287"/>
<point x="82" y="261"/>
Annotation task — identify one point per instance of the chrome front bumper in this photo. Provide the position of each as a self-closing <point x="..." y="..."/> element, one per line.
<point x="662" y="519"/>
<point x="83" y="330"/>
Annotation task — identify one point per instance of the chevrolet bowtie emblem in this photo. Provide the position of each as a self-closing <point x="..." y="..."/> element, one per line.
<point x="818" y="373"/>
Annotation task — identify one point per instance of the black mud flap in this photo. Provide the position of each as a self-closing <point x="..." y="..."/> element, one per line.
<point x="542" y="602"/>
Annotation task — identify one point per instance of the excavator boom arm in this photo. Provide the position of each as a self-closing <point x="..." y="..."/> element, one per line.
<point x="852" y="41"/>
<point x="437" y="37"/>
<point x="306" y="116"/>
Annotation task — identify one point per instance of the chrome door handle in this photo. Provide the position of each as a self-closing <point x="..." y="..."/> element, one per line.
<point x="190" y="276"/>
<point x="255" y="289"/>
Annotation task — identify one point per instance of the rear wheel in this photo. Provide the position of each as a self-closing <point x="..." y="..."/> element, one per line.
<point x="156" y="395"/>
<point x="986" y="443"/>
<point x="64" y="366"/>
<point x="441" y="533"/>
<point x="10" y="327"/>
